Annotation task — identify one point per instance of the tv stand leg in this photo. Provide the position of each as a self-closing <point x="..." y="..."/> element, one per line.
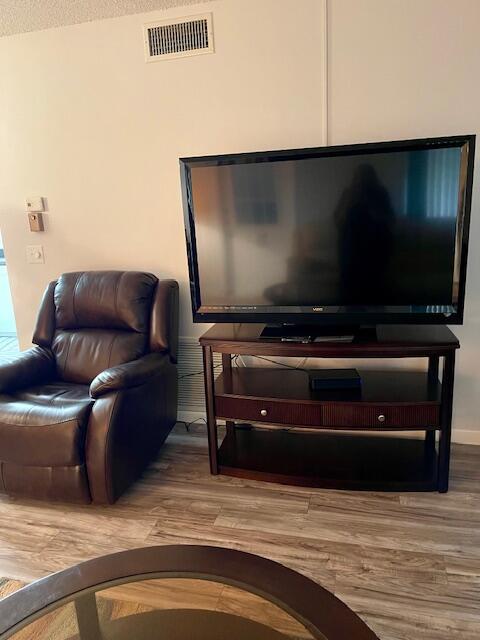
<point x="430" y="436"/>
<point x="433" y="372"/>
<point x="227" y="376"/>
<point x="446" y="422"/>
<point x="210" y="405"/>
<point x="430" y="440"/>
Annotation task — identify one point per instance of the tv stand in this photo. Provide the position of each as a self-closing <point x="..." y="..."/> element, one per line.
<point x="310" y="333"/>
<point x="279" y="430"/>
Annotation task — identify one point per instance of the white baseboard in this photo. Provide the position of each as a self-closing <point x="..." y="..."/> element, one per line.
<point x="466" y="436"/>
<point x="459" y="436"/>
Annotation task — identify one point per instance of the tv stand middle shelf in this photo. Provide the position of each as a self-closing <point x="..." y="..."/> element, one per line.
<point x="388" y="400"/>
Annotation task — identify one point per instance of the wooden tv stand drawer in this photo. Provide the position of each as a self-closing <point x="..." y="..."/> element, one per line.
<point x="377" y="415"/>
<point x="327" y="415"/>
<point x="274" y="411"/>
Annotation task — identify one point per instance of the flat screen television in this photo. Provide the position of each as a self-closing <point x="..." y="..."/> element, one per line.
<point x="346" y="235"/>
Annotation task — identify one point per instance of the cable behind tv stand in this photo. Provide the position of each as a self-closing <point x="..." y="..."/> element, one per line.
<point x="279" y="430"/>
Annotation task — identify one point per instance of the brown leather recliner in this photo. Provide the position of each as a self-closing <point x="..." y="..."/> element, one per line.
<point x="84" y="411"/>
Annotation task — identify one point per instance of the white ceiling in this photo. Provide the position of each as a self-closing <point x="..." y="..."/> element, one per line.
<point x="19" y="16"/>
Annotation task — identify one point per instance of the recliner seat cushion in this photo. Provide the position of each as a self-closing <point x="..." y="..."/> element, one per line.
<point x="45" y="425"/>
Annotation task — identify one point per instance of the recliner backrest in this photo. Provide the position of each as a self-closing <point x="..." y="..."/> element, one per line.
<point x="94" y="320"/>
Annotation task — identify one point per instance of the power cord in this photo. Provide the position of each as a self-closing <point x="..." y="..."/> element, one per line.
<point x="299" y="367"/>
<point x="189" y="424"/>
<point x="235" y="359"/>
<point x="198" y="373"/>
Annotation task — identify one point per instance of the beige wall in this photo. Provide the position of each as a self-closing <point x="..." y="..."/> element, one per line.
<point x="408" y="68"/>
<point x="85" y="122"/>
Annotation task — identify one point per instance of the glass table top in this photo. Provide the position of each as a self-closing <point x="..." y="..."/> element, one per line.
<point x="173" y="608"/>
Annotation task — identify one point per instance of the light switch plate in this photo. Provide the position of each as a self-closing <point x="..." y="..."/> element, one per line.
<point x="34" y="203"/>
<point x="35" y="254"/>
<point x="35" y="221"/>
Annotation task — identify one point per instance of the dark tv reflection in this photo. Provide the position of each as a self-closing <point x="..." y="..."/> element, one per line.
<point x="365" y="221"/>
<point x="376" y="229"/>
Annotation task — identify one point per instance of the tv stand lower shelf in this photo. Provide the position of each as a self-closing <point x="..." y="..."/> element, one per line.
<point x="374" y="463"/>
<point x="279" y="430"/>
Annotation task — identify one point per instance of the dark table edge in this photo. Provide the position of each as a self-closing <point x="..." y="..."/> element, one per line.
<point x="319" y="610"/>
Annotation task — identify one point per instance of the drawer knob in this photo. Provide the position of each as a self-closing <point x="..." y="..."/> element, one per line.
<point x="381" y="418"/>
<point x="263" y="412"/>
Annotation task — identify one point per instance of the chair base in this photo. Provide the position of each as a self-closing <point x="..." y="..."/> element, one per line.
<point x="62" y="484"/>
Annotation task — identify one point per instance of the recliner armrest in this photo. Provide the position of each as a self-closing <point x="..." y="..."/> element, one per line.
<point x="34" y="366"/>
<point x="130" y="374"/>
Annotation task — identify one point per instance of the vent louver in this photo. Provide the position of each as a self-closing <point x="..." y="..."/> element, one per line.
<point x="191" y="395"/>
<point x="178" y="38"/>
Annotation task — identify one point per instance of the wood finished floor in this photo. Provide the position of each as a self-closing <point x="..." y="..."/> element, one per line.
<point x="408" y="564"/>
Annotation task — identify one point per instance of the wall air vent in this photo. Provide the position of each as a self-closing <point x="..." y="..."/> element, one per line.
<point x="191" y="397"/>
<point x="179" y="37"/>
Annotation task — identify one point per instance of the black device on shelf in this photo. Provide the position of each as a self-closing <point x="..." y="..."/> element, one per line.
<point x="334" y="379"/>
<point x="353" y="235"/>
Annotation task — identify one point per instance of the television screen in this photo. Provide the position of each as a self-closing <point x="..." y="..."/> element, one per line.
<point x="369" y="228"/>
